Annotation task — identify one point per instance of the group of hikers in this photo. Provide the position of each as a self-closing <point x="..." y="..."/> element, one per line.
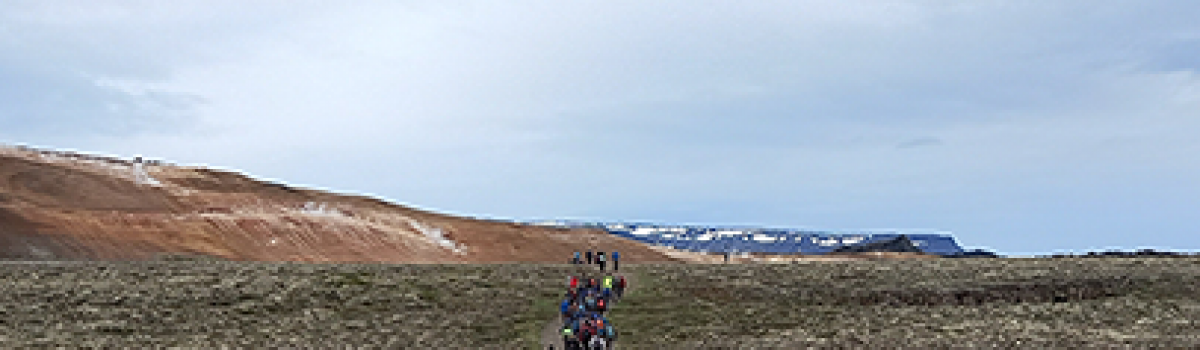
<point x="597" y="258"/>
<point x="583" y="309"/>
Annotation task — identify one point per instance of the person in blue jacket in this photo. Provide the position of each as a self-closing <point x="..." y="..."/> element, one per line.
<point x="616" y="260"/>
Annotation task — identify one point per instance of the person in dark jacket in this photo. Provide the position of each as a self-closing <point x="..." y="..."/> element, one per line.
<point x="588" y="255"/>
<point x="600" y="260"/>
<point x="570" y="341"/>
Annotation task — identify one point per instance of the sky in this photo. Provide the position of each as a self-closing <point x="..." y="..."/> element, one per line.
<point x="1026" y="127"/>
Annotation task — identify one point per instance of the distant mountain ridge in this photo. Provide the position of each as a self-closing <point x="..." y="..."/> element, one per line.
<point x="743" y="239"/>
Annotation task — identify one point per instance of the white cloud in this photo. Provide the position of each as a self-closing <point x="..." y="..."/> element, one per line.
<point x="783" y="109"/>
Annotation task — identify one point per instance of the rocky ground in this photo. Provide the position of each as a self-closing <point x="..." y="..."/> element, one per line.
<point x="1028" y="303"/>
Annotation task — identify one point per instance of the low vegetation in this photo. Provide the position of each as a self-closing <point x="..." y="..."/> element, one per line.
<point x="1069" y="302"/>
<point x="259" y="305"/>
<point x="1033" y="303"/>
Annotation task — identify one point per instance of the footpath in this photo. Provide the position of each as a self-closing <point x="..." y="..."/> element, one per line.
<point x="551" y="334"/>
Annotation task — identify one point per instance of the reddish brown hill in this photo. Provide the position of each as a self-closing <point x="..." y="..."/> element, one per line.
<point x="57" y="205"/>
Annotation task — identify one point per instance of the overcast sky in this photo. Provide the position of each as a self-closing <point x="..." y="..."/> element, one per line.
<point x="1021" y="126"/>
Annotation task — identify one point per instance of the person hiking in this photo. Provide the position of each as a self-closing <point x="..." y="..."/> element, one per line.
<point x="573" y="282"/>
<point x="569" y="339"/>
<point x="620" y="286"/>
<point x="578" y="314"/>
<point x="600" y="330"/>
<point x="610" y="332"/>
<point x="598" y="343"/>
<point x="565" y="309"/>
<point x="589" y="256"/>
<point x="600" y="260"/>
<point x="616" y="260"/>
<point x="585" y="331"/>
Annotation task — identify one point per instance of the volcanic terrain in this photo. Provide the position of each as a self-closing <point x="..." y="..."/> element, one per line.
<point x="66" y="206"/>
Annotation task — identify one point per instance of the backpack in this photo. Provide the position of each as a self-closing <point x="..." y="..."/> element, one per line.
<point x="600" y="304"/>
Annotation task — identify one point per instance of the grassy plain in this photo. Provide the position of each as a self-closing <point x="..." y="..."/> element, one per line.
<point x="1029" y="303"/>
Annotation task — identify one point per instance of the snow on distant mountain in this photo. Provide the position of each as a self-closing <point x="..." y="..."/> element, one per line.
<point x="726" y="239"/>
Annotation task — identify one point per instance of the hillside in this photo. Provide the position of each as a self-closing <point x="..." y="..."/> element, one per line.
<point x="66" y="206"/>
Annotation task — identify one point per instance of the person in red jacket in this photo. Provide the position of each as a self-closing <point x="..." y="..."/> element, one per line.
<point x="620" y="286"/>
<point x="586" y="330"/>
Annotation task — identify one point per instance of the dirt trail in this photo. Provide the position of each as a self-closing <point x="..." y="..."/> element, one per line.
<point x="551" y="335"/>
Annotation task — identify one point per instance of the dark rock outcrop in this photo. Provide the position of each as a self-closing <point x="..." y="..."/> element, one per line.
<point x="1119" y="253"/>
<point x="899" y="244"/>
<point x="974" y="253"/>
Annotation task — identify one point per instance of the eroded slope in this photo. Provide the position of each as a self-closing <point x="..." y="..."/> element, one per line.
<point x="58" y="205"/>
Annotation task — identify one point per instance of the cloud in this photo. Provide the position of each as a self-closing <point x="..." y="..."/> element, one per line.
<point x="775" y="112"/>
<point x="44" y="104"/>
<point x="74" y="69"/>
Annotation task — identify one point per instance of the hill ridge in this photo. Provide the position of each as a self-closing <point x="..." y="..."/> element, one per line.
<point x="67" y="205"/>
